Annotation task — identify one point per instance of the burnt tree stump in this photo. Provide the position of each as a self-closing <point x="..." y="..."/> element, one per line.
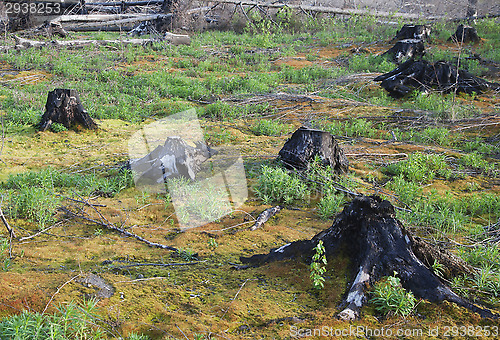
<point x="465" y="34"/>
<point x="422" y="76"/>
<point x="175" y="158"/>
<point x="377" y="245"/>
<point x="305" y="144"/>
<point x="421" y="32"/>
<point x="406" y="49"/>
<point x="64" y="107"/>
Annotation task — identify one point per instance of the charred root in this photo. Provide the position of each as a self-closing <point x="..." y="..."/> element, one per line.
<point x="378" y="245"/>
<point x="406" y="49"/>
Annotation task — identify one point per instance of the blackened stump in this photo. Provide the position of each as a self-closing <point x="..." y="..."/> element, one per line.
<point x="422" y="75"/>
<point x="421" y="32"/>
<point x="465" y="34"/>
<point x="305" y="144"/>
<point x="63" y="106"/>
<point x="378" y="245"/>
<point x="406" y="49"/>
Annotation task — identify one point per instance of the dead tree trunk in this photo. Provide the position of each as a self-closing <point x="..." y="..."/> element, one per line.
<point x="63" y="106"/>
<point x="377" y="245"/>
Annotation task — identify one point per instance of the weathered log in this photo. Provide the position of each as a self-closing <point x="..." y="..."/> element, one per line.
<point x="378" y="245"/>
<point x="109" y="24"/>
<point x="406" y="49"/>
<point x="265" y="216"/>
<point x="64" y="107"/>
<point x="22" y="43"/>
<point x="327" y="9"/>
<point x="175" y="158"/>
<point x="421" y="32"/>
<point x="306" y="144"/>
<point x="465" y="34"/>
<point x="422" y="76"/>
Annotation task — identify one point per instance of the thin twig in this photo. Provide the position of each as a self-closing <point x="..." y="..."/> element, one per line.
<point x="58" y="290"/>
<point x="158" y="264"/>
<point x="4" y="220"/>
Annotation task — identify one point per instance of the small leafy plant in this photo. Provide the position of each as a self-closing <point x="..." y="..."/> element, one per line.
<point x="318" y="266"/>
<point x="389" y="297"/>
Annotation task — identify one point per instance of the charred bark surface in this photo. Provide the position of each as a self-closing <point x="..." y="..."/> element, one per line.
<point x="305" y="144"/>
<point x="406" y="49"/>
<point x="377" y="245"/>
<point x="465" y="34"/>
<point x="64" y="107"/>
<point x="421" y="32"/>
<point x="422" y="75"/>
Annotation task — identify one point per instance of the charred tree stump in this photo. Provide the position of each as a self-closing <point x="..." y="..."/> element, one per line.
<point x="422" y="75"/>
<point x="305" y="144"/>
<point x="64" y="107"/>
<point x="377" y="244"/>
<point x="465" y="34"/>
<point x="420" y="32"/>
<point x="406" y="49"/>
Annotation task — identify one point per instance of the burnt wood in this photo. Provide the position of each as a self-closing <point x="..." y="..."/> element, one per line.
<point x="378" y="245"/>
<point x="64" y="107"/>
<point x="421" y="32"/>
<point x="465" y="34"/>
<point x="422" y="76"/>
<point x="406" y="49"/>
<point x="305" y="144"/>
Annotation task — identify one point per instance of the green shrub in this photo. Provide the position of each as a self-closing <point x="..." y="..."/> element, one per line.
<point x="267" y="127"/>
<point x="407" y="191"/>
<point x="389" y="297"/>
<point x="476" y="160"/>
<point x="277" y="185"/>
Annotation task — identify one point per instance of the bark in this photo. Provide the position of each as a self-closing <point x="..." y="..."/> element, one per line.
<point x="23" y="44"/>
<point x="422" y="75"/>
<point x="378" y="245"/>
<point x="406" y="49"/>
<point x="465" y="34"/>
<point x="421" y="32"/>
<point x="63" y="106"/>
<point x="307" y="144"/>
<point x="326" y="9"/>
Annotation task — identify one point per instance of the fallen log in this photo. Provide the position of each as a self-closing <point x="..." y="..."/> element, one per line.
<point x="101" y="23"/>
<point x="378" y="245"/>
<point x="326" y="9"/>
<point x="23" y="44"/>
<point x="64" y="107"/>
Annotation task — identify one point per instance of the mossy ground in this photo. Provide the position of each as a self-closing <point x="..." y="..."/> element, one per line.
<point x="209" y="297"/>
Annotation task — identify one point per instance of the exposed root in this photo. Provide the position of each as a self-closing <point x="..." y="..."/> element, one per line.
<point x="378" y="245"/>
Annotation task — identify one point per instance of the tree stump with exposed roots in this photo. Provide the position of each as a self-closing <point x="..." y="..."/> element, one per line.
<point x="378" y="245"/>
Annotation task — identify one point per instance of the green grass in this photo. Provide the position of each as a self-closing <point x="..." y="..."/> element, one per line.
<point x="277" y="185"/>
<point x="389" y="297"/>
<point x="267" y="127"/>
<point x="421" y="168"/>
